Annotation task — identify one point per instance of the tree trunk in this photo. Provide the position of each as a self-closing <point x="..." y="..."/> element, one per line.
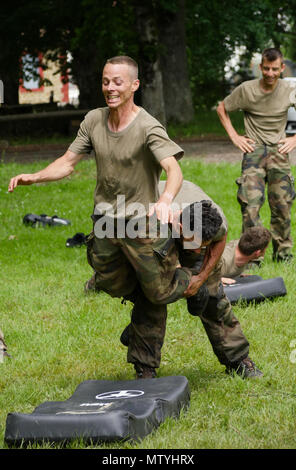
<point x="9" y="74"/>
<point x="177" y="92"/>
<point x="149" y="63"/>
<point x="10" y="88"/>
<point x="87" y="73"/>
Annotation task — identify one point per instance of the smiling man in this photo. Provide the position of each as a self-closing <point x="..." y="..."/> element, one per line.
<point x="131" y="149"/>
<point x="266" y="148"/>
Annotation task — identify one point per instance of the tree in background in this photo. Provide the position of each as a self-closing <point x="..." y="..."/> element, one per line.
<point x="174" y="61"/>
<point x="16" y="38"/>
<point x="148" y="57"/>
<point x="102" y="30"/>
<point x="182" y="46"/>
<point x="151" y="32"/>
<point x="215" y="28"/>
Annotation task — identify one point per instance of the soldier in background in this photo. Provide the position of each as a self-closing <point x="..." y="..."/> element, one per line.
<point x="238" y="254"/>
<point x="266" y="148"/>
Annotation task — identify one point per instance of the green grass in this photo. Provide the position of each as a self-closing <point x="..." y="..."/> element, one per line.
<point x="205" y="124"/>
<point x="59" y="337"/>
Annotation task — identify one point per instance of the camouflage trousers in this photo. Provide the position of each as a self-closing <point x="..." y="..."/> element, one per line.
<point x="267" y="166"/>
<point x="149" y="278"/>
<point x="222" y="327"/>
<point x="121" y="263"/>
<point x="143" y="270"/>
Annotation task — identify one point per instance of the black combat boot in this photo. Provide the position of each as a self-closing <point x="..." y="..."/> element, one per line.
<point x="144" y="372"/>
<point x="246" y="368"/>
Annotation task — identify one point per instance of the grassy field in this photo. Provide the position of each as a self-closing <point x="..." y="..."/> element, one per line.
<point x="59" y="337"/>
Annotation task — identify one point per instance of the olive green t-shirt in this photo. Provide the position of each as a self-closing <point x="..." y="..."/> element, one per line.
<point x="190" y="193"/>
<point x="127" y="161"/>
<point x="229" y="268"/>
<point x="265" y="114"/>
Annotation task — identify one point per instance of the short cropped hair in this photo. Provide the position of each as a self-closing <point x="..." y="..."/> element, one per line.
<point x="271" y="54"/>
<point x="125" y="59"/>
<point x="211" y="219"/>
<point x="253" y="239"/>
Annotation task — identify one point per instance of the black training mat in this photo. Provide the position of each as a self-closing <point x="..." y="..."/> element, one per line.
<point x="257" y="291"/>
<point x="102" y="411"/>
<point x="248" y="278"/>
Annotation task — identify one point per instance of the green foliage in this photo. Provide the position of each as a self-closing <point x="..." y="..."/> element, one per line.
<point x="215" y="28"/>
<point x="94" y="31"/>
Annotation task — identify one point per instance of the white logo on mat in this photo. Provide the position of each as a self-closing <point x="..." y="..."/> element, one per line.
<point x="119" y="394"/>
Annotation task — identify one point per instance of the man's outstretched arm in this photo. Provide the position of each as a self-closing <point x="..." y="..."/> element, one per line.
<point x="56" y="170"/>
<point x="240" y="141"/>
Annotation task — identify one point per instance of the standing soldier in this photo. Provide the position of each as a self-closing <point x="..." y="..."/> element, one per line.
<point x="266" y="149"/>
<point x="131" y="149"/>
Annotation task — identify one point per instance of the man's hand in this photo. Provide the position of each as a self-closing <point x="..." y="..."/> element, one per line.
<point x="21" y="180"/>
<point x="195" y="284"/>
<point x="245" y="144"/>
<point x="162" y="208"/>
<point x="227" y="281"/>
<point x="287" y="144"/>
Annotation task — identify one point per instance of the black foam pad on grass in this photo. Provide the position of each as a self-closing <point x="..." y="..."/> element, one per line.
<point x="257" y="291"/>
<point x="102" y="411"/>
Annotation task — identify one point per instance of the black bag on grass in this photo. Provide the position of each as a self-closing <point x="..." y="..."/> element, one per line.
<point x="42" y="220"/>
<point x="102" y="411"/>
<point x="257" y="291"/>
<point x="78" y="240"/>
